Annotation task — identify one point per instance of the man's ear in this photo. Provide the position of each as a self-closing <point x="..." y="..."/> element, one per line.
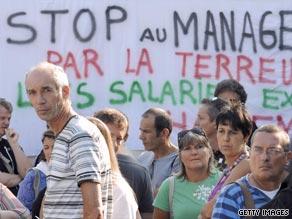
<point x="66" y="91"/>
<point x="214" y="124"/>
<point x="288" y="157"/>
<point x="165" y="133"/>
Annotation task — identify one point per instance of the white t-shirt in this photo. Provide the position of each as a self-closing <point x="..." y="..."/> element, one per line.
<point x="124" y="202"/>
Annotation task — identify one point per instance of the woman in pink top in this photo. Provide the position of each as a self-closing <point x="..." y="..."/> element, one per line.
<point x="11" y="207"/>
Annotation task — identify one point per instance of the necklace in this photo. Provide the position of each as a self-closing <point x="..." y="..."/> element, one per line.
<point x="227" y="170"/>
<point x="225" y="175"/>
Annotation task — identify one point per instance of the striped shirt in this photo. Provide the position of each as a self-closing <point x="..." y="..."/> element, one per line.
<point x="80" y="155"/>
<point x="231" y="199"/>
<point x="9" y="202"/>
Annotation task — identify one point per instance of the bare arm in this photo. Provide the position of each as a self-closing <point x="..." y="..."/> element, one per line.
<point x="8" y="214"/>
<point x="22" y="161"/>
<point x="240" y="170"/>
<point x="11" y="207"/>
<point x="10" y="180"/>
<point x="160" y="214"/>
<point x="147" y="215"/>
<point x="92" y="203"/>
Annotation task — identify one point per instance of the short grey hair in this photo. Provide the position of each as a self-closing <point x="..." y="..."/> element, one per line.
<point x="284" y="137"/>
<point x="6" y="104"/>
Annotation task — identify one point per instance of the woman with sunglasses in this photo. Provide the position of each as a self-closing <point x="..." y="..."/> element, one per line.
<point x="234" y="126"/>
<point x="183" y="195"/>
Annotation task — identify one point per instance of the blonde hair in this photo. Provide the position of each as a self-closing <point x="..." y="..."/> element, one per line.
<point x="107" y="136"/>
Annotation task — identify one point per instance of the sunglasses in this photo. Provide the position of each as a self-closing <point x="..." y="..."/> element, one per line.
<point x="181" y="134"/>
<point x="219" y="103"/>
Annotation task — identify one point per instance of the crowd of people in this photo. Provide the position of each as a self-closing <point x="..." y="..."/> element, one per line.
<point x="84" y="169"/>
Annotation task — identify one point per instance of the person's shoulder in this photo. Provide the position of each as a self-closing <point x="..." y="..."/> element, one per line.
<point x="131" y="162"/>
<point x="172" y="156"/>
<point x="30" y="173"/>
<point x="146" y="156"/>
<point x="242" y="168"/>
<point x="80" y="123"/>
<point x="243" y="165"/>
<point x="166" y="183"/>
<point x="3" y="141"/>
<point x="232" y="188"/>
<point x="79" y="126"/>
<point x="122" y="187"/>
<point x="215" y="173"/>
<point x="126" y="158"/>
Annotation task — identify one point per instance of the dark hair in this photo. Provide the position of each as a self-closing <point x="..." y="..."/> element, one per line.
<point x="41" y="155"/>
<point x="39" y="158"/>
<point x="6" y="104"/>
<point x="231" y="85"/>
<point x="237" y="117"/>
<point x="162" y="119"/>
<point x="214" y="106"/>
<point x="107" y="137"/>
<point x="48" y="134"/>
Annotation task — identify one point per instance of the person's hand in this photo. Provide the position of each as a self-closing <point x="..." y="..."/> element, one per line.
<point x="203" y="217"/>
<point x="12" y="136"/>
<point x="206" y="212"/>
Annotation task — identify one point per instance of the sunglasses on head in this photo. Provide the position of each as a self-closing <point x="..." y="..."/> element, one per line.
<point x="198" y="131"/>
<point x="218" y="102"/>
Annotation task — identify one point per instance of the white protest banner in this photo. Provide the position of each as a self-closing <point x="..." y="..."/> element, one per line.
<point x="133" y="55"/>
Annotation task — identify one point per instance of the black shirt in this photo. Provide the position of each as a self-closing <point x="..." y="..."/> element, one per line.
<point x="7" y="158"/>
<point x="139" y="179"/>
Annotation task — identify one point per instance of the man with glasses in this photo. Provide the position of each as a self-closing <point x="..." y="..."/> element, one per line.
<point x="268" y="157"/>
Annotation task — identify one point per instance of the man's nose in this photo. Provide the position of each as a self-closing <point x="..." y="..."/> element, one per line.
<point x="6" y="122"/>
<point x="265" y="155"/>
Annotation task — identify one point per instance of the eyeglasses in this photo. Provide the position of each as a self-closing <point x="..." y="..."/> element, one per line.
<point x="270" y="151"/>
<point x="219" y="103"/>
<point x="181" y="134"/>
